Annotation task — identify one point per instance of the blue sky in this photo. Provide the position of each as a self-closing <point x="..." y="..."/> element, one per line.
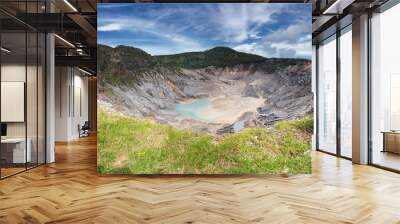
<point x="270" y="30"/>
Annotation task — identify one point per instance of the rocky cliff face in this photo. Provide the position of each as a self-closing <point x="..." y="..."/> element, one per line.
<point x="138" y="84"/>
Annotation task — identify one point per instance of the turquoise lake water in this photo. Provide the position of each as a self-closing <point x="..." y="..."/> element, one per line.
<point x="194" y="109"/>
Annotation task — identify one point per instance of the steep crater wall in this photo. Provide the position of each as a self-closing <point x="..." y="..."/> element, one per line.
<point x="152" y="89"/>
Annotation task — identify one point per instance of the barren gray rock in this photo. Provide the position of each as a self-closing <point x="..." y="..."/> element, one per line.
<point x="284" y="84"/>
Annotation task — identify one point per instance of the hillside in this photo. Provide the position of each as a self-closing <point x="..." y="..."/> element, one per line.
<point x="242" y="90"/>
<point x="122" y="65"/>
<point x="218" y="56"/>
<point x="280" y="150"/>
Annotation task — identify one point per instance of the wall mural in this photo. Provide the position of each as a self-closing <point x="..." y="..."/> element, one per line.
<point x="204" y="88"/>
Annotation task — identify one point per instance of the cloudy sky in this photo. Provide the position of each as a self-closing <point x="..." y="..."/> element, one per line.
<point x="270" y="30"/>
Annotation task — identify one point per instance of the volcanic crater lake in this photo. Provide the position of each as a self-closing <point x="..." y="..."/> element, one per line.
<point x="194" y="109"/>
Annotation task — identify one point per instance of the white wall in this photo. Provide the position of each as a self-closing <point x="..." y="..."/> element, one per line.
<point x="80" y="100"/>
<point x="62" y="82"/>
<point x="9" y="73"/>
<point x="33" y="126"/>
<point x="71" y="94"/>
<point x="17" y="73"/>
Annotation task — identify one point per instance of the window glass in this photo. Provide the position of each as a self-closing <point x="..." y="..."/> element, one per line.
<point x="346" y="93"/>
<point x="15" y="150"/>
<point x="385" y="89"/>
<point x="327" y="96"/>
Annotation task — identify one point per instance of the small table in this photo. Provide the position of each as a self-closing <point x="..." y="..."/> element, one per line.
<point x="391" y="141"/>
<point x="17" y="153"/>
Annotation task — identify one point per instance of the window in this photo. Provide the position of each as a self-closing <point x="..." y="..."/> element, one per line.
<point x="327" y="96"/>
<point x="385" y="89"/>
<point x="346" y="92"/>
<point x="22" y="77"/>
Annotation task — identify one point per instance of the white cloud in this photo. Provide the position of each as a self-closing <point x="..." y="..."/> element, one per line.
<point x="290" y="34"/>
<point x="132" y="23"/>
<point x="179" y="42"/>
<point x="252" y="48"/>
<point x="277" y="49"/>
<point x="241" y="26"/>
<point x="305" y="38"/>
<point x="166" y="50"/>
<point x="110" y="27"/>
<point x="292" y="41"/>
<point x="299" y="50"/>
<point x="237" y="23"/>
<point x="110" y="5"/>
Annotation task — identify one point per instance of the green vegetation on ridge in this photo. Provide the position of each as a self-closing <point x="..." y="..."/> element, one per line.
<point x="218" y="56"/>
<point x="124" y="65"/>
<point x="128" y="145"/>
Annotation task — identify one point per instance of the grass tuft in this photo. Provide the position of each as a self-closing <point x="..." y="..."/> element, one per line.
<point x="128" y="145"/>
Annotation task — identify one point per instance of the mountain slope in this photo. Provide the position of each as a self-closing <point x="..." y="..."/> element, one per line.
<point x="122" y="64"/>
<point x="138" y="84"/>
<point x="218" y="56"/>
<point x="125" y="65"/>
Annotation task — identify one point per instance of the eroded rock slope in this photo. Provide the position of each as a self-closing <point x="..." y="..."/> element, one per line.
<point x="138" y="84"/>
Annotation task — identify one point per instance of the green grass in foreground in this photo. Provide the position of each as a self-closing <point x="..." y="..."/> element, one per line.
<point x="127" y="145"/>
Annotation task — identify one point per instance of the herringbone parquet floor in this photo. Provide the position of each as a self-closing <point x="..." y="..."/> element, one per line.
<point x="70" y="191"/>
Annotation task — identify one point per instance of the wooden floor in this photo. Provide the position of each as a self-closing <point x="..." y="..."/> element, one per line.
<point x="70" y="191"/>
<point x="387" y="159"/>
<point x="5" y="172"/>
